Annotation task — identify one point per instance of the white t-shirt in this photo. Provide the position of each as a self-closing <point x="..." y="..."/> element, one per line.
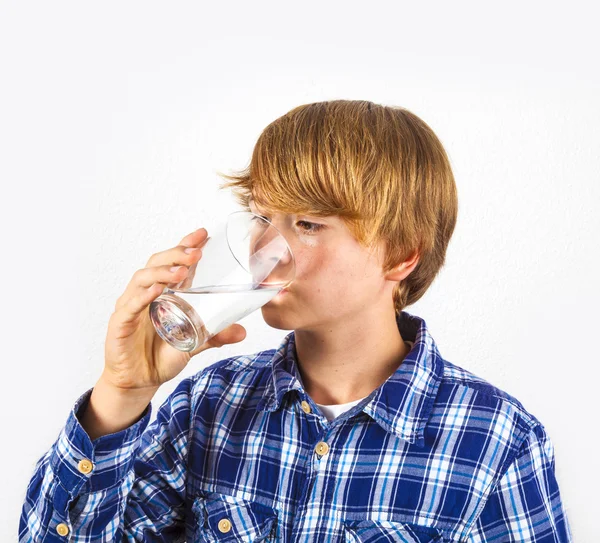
<point x="333" y="411"/>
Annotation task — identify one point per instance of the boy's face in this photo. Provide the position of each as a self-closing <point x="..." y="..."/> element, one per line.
<point x="336" y="277"/>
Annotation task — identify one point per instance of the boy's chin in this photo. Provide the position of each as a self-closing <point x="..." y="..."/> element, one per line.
<point x="276" y="316"/>
<point x="278" y="324"/>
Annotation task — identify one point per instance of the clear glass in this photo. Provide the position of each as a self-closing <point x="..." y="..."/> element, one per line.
<point x="245" y="263"/>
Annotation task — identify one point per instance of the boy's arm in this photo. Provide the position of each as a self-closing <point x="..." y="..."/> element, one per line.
<point x="526" y="505"/>
<point x="85" y="490"/>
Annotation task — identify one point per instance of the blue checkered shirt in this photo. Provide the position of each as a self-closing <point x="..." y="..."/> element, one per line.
<point x="240" y="452"/>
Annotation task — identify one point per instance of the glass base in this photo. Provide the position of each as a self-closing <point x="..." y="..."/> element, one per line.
<point x="177" y="323"/>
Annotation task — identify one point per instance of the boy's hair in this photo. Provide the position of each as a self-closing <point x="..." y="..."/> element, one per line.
<point x="379" y="168"/>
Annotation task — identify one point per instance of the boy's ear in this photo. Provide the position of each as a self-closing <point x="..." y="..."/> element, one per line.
<point x="403" y="270"/>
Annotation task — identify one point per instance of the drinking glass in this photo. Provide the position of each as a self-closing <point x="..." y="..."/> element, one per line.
<point x="245" y="263"/>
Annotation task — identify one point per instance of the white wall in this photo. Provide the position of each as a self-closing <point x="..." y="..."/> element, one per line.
<point x="114" y="118"/>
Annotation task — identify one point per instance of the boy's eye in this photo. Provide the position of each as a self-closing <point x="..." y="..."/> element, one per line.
<point x="255" y="218"/>
<point x="307" y="227"/>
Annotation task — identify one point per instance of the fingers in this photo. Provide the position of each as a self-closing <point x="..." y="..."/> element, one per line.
<point x="198" y="236"/>
<point x="144" y="279"/>
<point x="160" y="274"/>
<point x="159" y="269"/>
<point x="170" y="256"/>
<point x="189" y="278"/>
<point x="135" y="305"/>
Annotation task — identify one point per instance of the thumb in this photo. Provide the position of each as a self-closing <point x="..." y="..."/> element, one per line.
<point x="232" y="334"/>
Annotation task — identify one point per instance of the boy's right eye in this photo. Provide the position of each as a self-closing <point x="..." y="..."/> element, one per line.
<point x="255" y="217"/>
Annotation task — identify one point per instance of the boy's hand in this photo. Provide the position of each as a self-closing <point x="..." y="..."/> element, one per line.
<point x="136" y="357"/>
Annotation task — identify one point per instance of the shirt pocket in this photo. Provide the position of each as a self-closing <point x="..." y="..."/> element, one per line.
<point x="223" y="518"/>
<point x="373" y="531"/>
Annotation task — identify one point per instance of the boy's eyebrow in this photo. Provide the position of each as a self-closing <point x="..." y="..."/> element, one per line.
<point x="251" y="201"/>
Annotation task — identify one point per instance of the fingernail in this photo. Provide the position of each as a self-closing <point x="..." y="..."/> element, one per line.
<point x="190" y="250"/>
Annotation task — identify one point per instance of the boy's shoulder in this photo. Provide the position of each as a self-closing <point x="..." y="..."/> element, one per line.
<point x="458" y="382"/>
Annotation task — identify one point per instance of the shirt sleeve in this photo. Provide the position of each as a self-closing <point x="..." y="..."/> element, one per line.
<point x="126" y="486"/>
<point x="526" y="505"/>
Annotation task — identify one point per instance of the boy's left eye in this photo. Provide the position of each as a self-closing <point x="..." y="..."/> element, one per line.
<point x="309" y="227"/>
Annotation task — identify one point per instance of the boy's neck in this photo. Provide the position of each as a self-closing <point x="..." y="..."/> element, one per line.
<point x="347" y="363"/>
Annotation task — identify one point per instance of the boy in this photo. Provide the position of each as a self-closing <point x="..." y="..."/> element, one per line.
<point x="353" y="429"/>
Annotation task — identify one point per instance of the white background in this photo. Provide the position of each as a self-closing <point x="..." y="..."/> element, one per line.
<point x="115" y="116"/>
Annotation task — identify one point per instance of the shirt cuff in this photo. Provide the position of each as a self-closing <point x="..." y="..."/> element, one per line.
<point x="81" y="464"/>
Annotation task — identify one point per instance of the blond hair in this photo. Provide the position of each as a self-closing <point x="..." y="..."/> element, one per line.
<point x="380" y="168"/>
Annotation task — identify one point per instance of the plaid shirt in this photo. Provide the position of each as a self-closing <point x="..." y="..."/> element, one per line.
<point x="240" y="452"/>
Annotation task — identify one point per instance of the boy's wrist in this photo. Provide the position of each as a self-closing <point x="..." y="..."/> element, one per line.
<point x="111" y="409"/>
<point x="128" y="395"/>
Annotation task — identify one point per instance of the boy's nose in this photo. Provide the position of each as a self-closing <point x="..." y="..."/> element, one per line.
<point x="271" y="258"/>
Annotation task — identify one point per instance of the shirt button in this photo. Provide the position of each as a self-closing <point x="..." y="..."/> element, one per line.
<point x="305" y="407"/>
<point x="224" y="525"/>
<point x="322" y="448"/>
<point x="85" y="466"/>
<point x="62" y="529"/>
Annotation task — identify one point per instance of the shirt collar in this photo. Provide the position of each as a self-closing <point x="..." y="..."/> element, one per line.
<point x="402" y="405"/>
